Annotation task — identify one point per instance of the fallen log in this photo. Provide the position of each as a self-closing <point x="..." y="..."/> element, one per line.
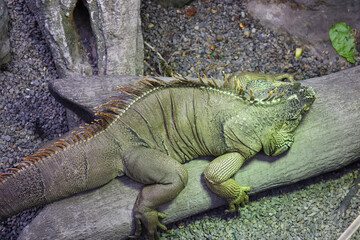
<point x="327" y="139"/>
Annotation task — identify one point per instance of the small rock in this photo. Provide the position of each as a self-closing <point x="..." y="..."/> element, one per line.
<point x="190" y="11"/>
<point x="7" y="138"/>
<point x="213" y="10"/>
<point x="219" y="37"/>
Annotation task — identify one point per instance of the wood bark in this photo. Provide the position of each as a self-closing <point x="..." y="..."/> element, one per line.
<point x="327" y="139"/>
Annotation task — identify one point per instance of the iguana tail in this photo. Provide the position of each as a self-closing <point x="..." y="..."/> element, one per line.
<point x="86" y="160"/>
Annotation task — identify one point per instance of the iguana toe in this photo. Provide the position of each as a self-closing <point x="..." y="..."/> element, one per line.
<point x="150" y="219"/>
<point x="240" y="200"/>
<point x="161" y="215"/>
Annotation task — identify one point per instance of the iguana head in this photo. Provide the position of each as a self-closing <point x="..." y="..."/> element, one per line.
<point x="284" y="104"/>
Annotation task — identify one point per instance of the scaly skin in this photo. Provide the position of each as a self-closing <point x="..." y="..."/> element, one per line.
<point x="148" y="136"/>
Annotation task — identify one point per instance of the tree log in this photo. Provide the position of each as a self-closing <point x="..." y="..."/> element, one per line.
<point x="327" y="139"/>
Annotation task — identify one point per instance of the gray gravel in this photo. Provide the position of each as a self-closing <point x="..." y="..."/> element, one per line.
<point x="209" y="42"/>
<point x="186" y="43"/>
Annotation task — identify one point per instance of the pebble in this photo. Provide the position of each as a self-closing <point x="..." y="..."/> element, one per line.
<point x="7" y="138"/>
<point x="190" y="11"/>
<point x="219" y="37"/>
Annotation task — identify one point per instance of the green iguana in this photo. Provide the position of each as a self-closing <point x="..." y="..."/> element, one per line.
<point x="159" y="125"/>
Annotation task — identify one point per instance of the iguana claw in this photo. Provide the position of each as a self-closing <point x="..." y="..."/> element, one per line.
<point x="151" y="222"/>
<point x="161" y="215"/>
<point x="240" y="201"/>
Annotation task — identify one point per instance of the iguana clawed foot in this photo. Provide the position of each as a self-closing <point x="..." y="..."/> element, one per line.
<point x="239" y="201"/>
<point x="150" y="219"/>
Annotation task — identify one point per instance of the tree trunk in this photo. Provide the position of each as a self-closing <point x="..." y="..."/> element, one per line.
<point x="327" y="139"/>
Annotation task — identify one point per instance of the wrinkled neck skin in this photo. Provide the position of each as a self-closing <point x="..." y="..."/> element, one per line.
<point x="243" y="134"/>
<point x="261" y="127"/>
<point x="277" y="136"/>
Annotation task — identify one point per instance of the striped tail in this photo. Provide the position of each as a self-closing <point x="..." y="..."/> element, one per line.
<point x="70" y="166"/>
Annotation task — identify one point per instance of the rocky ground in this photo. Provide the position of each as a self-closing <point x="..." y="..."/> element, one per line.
<point x="211" y="37"/>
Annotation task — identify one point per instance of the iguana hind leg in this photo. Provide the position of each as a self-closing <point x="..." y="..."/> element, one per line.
<point x="165" y="177"/>
<point x="218" y="178"/>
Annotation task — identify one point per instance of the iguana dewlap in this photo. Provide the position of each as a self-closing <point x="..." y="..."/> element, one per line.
<point x="151" y="132"/>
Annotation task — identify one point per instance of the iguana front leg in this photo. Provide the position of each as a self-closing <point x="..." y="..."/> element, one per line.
<point x="165" y="179"/>
<point x="217" y="175"/>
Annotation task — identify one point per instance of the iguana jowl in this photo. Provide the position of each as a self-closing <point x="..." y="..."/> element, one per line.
<point x="151" y="132"/>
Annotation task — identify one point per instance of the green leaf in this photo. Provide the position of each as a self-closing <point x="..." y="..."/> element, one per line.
<point x="343" y="40"/>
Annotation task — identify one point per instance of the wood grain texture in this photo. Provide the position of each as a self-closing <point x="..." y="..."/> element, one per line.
<point x="327" y="139"/>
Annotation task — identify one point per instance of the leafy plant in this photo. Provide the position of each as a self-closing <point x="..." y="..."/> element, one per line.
<point x="343" y="40"/>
